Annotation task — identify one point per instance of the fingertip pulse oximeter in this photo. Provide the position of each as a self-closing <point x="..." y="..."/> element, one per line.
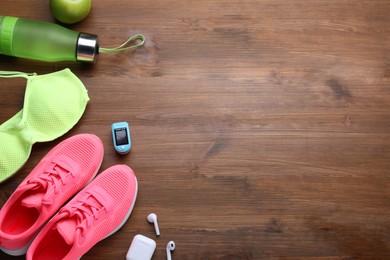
<point x="121" y="137"/>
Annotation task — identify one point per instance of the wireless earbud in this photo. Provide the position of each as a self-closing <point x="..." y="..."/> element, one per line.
<point x="152" y="218"/>
<point x="170" y="247"/>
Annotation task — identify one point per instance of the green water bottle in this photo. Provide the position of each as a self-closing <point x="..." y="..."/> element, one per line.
<point x="45" y="41"/>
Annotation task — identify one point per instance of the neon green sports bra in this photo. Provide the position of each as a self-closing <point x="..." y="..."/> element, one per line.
<point x="53" y="104"/>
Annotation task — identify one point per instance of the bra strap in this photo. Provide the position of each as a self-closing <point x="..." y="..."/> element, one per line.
<point x="15" y="74"/>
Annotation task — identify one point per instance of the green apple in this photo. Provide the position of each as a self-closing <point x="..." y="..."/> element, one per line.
<point x="70" y="11"/>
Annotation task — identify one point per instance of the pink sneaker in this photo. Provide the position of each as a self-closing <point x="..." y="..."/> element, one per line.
<point x="58" y="176"/>
<point x="98" y="211"/>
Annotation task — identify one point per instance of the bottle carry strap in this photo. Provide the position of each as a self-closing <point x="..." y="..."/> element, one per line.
<point x="15" y="74"/>
<point x="122" y="46"/>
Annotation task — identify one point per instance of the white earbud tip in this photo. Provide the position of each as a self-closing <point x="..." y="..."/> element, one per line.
<point x="151" y="217"/>
<point x="171" y="245"/>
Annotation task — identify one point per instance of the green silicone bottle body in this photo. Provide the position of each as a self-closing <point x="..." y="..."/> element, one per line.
<point x="43" y="41"/>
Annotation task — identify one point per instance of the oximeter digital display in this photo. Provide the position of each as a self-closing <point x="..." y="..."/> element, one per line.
<point x="121" y="137"/>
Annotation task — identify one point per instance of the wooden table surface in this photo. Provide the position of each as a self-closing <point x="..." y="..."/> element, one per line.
<point x="260" y="129"/>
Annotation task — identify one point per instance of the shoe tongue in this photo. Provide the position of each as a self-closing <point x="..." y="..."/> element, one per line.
<point x="33" y="201"/>
<point x="67" y="229"/>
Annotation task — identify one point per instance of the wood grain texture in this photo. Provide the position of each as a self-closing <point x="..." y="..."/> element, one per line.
<point x="261" y="129"/>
